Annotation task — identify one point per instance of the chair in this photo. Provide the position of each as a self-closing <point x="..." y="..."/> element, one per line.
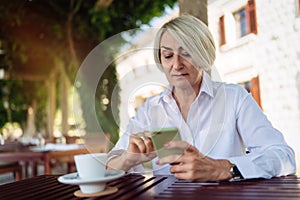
<point x="14" y="168"/>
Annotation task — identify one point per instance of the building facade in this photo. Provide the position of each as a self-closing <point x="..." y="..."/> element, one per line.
<point x="258" y="47"/>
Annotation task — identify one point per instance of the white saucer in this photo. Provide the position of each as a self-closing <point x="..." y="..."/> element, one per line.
<point x="74" y="179"/>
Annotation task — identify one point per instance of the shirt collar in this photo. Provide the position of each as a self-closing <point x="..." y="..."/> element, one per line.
<point x="206" y="85"/>
<point x="167" y="94"/>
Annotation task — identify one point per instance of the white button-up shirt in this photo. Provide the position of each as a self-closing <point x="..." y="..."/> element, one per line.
<point x="223" y="122"/>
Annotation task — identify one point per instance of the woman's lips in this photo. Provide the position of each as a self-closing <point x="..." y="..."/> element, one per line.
<point x="180" y="75"/>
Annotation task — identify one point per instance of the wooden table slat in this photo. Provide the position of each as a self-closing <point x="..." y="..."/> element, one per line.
<point x="146" y="187"/>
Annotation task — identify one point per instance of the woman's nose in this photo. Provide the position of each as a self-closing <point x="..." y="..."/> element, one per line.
<point x="177" y="64"/>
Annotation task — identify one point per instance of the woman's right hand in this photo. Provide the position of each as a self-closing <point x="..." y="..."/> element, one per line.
<point x="140" y="149"/>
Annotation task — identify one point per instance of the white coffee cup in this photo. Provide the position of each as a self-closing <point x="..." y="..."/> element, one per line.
<point x="91" y="167"/>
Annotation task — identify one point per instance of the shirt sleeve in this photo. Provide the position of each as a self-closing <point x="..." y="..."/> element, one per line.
<point x="269" y="155"/>
<point x="138" y="123"/>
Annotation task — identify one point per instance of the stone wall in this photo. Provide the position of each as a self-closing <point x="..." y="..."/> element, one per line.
<point x="273" y="54"/>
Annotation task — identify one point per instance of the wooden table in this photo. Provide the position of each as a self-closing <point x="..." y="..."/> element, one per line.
<point x="32" y="157"/>
<point x="158" y="187"/>
<point x="57" y="154"/>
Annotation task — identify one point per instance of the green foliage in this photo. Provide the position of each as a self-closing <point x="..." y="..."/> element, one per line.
<point x="39" y="31"/>
<point x="17" y="96"/>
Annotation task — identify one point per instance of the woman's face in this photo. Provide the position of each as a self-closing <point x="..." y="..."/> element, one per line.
<point x="178" y="65"/>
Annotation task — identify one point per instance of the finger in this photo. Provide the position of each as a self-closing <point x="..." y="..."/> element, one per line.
<point x="177" y="168"/>
<point x="177" y="145"/>
<point x="183" y="175"/>
<point x="146" y="137"/>
<point x="171" y="159"/>
<point x="183" y="171"/>
<point x="179" y="171"/>
<point x="146" y="142"/>
<point x="149" y="144"/>
<point x="133" y="148"/>
<point x="137" y="144"/>
<point x="189" y="149"/>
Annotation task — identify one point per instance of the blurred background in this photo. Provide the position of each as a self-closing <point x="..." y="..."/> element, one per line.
<point x="44" y="42"/>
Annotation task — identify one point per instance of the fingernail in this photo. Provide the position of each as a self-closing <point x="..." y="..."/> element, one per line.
<point x="167" y="144"/>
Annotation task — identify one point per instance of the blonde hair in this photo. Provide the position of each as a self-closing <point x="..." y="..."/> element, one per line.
<point x="193" y="35"/>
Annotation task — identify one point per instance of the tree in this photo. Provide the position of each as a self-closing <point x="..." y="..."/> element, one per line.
<point x="38" y="34"/>
<point x="197" y="8"/>
<point x="16" y="98"/>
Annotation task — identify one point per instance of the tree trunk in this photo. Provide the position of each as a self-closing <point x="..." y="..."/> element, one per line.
<point x="64" y="101"/>
<point x="30" y="124"/>
<point x="51" y="103"/>
<point x="197" y="8"/>
<point x="71" y="14"/>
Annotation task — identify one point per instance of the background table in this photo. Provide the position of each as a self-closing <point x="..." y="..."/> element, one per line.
<point x="32" y="157"/>
<point x="158" y="187"/>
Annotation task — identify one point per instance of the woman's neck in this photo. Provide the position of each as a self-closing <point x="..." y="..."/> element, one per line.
<point x="184" y="99"/>
<point x="184" y="95"/>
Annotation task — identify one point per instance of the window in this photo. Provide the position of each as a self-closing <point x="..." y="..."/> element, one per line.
<point x="298" y="7"/>
<point x="245" y="20"/>
<point x="222" y="30"/>
<point x="252" y="86"/>
<point x="237" y="23"/>
<point x="240" y="23"/>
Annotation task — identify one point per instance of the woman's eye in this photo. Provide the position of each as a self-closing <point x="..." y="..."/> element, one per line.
<point x="185" y="54"/>
<point x="168" y="56"/>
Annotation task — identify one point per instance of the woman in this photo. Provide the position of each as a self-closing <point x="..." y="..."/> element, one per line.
<point x="218" y="122"/>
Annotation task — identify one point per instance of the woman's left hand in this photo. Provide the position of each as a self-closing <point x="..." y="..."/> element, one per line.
<point x="193" y="165"/>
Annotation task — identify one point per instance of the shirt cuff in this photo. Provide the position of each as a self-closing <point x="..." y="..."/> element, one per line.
<point x="245" y="166"/>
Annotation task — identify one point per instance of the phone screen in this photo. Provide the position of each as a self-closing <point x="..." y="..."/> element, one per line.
<point x="161" y="136"/>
